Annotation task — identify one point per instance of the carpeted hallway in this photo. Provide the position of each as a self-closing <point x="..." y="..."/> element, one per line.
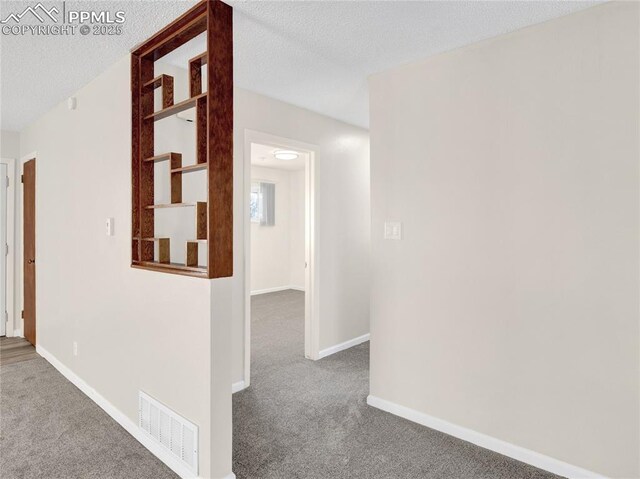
<point x="50" y="430"/>
<point x="309" y="419"/>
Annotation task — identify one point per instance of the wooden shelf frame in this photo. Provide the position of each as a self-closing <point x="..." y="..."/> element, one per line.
<point x="175" y="109"/>
<point x="166" y="83"/>
<point x="214" y="142"/>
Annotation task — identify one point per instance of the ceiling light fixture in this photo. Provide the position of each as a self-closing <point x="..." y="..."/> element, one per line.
<point x="286" y="155"/>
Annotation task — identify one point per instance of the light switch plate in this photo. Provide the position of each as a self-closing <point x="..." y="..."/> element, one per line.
<point x="110" y="227"/>
<point x="393" y="230"/>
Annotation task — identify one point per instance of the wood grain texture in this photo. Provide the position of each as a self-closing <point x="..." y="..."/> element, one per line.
<point x="135" y="250"/>
<point x="220" y="138"/>
<point x="177" y="33"/>
<point x="195" y="74"/>
<point x="173" y="268"/>
<point x="29" y="249"/>
<point x="195" y="79"/>
<point x="200" y="60"/>
<point x="135" y="154"/>
<point x="176" y="178"/>
<point x="192" y="253"/>
<point x="166" y="83"/>
<point x="16" y="350"/>
<point x="202" y="144"/>
<point x="173" y="157"/>
<point x="146" y="196"/>
<point x="154" y="83"/>
<point x="167" y="91"/>
<point x="201" y="220"/>
<point x="188" y="168"/>
<point x="164" y="250"/>
<point x="172" y="110"/>
<point x="214" y="138"/>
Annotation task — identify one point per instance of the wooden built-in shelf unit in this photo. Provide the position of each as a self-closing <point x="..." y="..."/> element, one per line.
<point x="214" y="143"/>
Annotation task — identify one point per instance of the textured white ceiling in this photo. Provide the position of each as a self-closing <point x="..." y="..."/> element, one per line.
<point x="262" y="155"/>
<point x="316" y="55"/>
<point x="37" y="72"/>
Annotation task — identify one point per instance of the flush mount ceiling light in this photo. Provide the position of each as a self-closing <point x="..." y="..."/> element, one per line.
<point x="286" y="155"/>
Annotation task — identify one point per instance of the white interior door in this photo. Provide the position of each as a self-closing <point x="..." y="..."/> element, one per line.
<point x="3" y="249"/>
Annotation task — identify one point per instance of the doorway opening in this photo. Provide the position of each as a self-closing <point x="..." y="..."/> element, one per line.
<point x="7" y="247"/>
<point x="280" y="272"/>
<point x="3" y="246"/>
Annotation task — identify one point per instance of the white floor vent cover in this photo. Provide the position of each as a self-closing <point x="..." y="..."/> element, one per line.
<point x="171" y="431"/>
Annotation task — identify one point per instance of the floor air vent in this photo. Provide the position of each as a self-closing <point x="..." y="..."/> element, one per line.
<point x="171" y="431"/>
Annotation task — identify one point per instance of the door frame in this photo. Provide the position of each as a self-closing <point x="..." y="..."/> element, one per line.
<point x="11" y="242"/>
<point x="311" y="320"/>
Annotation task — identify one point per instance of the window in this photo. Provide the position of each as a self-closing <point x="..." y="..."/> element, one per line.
<point x="262" y="203"/>
<point x="254" y="203"/>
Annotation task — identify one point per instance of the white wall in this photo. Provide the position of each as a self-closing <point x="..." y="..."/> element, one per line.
<point x="510" y="307"/>
<point x="135" y="329"/>
<point x="147" y="316"/>
<point x="277" y="258"/>
<point x="296" y="226"/>
<point x="342" y="216"/>
<point x="9" y="144"/>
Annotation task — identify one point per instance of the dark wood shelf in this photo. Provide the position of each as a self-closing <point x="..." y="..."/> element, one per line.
<point x="177" y="268"/>
<point x="170" y="205"/>
<point x="177" y="108"/>
<point x="156" y="82"/>
<point x="186" y="169"/>
<point x="164" y="157"/>
<point x="211" y="103"/>
<point x="201" y="59"/>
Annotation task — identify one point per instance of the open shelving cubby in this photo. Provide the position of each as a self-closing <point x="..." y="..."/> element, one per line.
<point x="213" y="229"/>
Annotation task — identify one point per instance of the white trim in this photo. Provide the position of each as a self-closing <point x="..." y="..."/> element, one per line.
<point x="342" y="346"/>
<point x="506" y="449"/>
<point x="237" y="387"/>
<point x="231" y="475"/>
<point x="276" y="289"/>
<point x="11" y="326"/>
<point x="130" y="426"/>
<point x="312" y="273"/>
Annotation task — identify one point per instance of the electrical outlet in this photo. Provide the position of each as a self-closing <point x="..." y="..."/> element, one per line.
<point x="75" y="348"/>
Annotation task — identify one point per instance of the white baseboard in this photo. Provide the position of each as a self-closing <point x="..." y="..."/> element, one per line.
<point x="276" y="289"/>
<point x="237" y="387"/>
<point x="130" y="426"/>
<point x="342" y="346"/>
<point x="18" y="333"/>
<point x="506" y="449"/>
